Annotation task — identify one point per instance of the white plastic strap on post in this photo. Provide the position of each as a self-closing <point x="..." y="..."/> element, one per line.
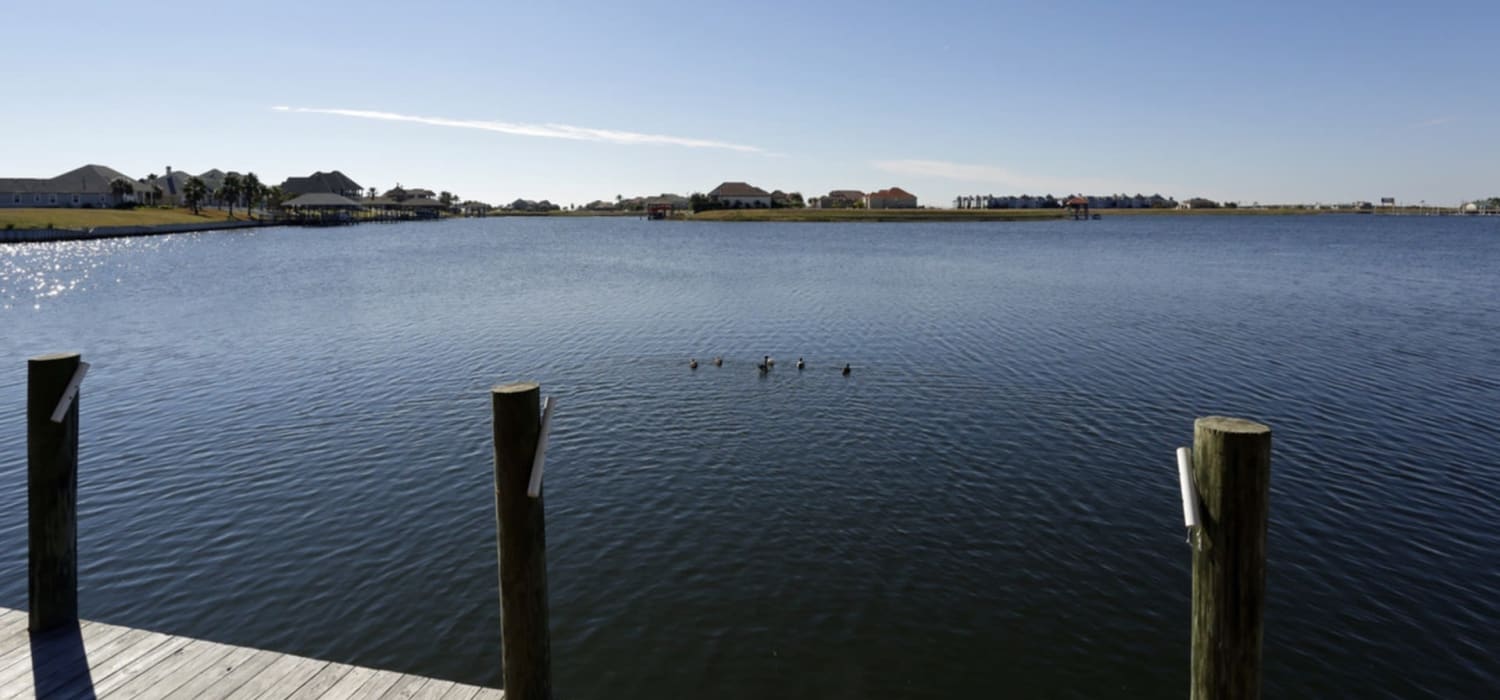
<point x="70" y="393"/>
<point x="1189" y="498"/>
<point x="534" y="488"/>
<point x="1189" y="494"/>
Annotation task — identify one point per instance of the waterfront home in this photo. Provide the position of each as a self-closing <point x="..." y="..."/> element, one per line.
<point x="893" y="198"/>
<point x="400" y="193"/>
<point x="839" y="199"/>
<point x="1115" y="201"/>
<point x="474" y="208"/>
<point x="213" y="180"/>
<point x="323" y="183"/>
<point x="88" y="186"/>
<point x="737" y="195"/>
<point x="170" y="186"/>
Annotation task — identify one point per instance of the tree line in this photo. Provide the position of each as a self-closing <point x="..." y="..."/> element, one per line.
<point x="246" y="190"/>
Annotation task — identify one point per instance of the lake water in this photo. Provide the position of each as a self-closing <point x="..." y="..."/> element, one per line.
<point x="286" y="444"/>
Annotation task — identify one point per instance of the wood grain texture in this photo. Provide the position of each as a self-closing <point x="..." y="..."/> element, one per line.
<point x="1232" y="476"/>
<point x="521" y="524"/>
<point x="52" y="493"/>
<point x="405" y="688"/>
<point x="433" y="689"/>
<point x="224" y="686"/>
<point x="279" y="679"/>
<point x="98" y="660"/>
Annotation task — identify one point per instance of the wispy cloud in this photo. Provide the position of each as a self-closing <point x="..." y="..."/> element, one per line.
<point x="1005" y="177"/>
<point x="1436" y="121"/>
<point x="549" y="131"/>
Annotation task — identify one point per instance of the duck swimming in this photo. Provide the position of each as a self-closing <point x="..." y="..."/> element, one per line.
<point x="693" y="363"/>
<point x="718" y="362"/>
<point x="801" y="364"/>
<point x="846" y="369"/>
<point x="770" y="362"/>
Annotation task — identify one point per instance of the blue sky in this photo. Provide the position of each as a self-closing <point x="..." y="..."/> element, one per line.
<point x="573" y="101"/>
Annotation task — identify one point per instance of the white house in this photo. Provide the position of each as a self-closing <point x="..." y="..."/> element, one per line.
<point x="739" y="194"/>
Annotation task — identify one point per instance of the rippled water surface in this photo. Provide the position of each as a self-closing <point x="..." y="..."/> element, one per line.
<point x="286" y="444"/>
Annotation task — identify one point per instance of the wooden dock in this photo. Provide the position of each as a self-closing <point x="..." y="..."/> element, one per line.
<point x="97" y="660"/>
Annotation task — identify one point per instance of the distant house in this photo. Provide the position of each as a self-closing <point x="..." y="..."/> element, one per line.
<point x="893" y="198"/>
<point x="528" y="205"/>
<point x="323" y="183"/>
<point x="475" y="208"/>
<point x="839" y="199"/>
<point x="170" y="186"/>
<point x="212" y="180"/>
<point x="739" y="194"/>
<point x="88" y="186"/>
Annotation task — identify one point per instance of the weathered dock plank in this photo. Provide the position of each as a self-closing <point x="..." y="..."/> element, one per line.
<point x="404" y="688"/>
<point x="212" y="676"/>
<point x="461" y="692"/>
<point x="172" y="671"/>
<point x="320" y="683"/>
<point x="279" y="679"/>
<point x="433" y="689"/>
<point x="111" y="662"/>
<point x="59" y="656"/>
<point x="242" y="674"/>
<point x="101" y="652"/>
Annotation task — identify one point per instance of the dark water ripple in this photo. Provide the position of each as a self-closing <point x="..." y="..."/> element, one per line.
<point x="286" y="444"/>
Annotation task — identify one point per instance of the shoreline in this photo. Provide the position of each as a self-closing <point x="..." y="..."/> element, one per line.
<point x="951" y="215"/>
<point x="50" y="235"/>
<point x="981" y="215"/>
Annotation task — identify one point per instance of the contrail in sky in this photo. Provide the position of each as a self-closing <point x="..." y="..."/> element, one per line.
<point x="549" y="131"/>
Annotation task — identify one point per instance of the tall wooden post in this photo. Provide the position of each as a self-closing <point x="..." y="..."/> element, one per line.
<point x="527" y="645"/>
<point x="52" y="492"/>
<point x="1232" y="475"/>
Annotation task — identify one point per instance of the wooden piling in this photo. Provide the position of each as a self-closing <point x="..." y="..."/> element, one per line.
<point x="1232" y="475"/>
<point x="527" y="646"/>
<point x="52" y="493"/>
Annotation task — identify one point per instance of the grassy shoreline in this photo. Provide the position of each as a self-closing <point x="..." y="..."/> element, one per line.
<point x="83" y="219"/>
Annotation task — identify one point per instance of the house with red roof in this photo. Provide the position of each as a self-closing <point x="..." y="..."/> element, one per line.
<point x="893" y="198"/>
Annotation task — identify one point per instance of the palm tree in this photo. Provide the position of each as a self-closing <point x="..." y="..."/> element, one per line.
<point x="120" y="187"/>
<point x="253" y="191"/>
<point x="230" y="191"/>
<point x="274" y="197"/>
<point x="194" y="192"/>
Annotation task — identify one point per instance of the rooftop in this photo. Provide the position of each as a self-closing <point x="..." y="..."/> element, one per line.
<point x="738" y="189"/>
